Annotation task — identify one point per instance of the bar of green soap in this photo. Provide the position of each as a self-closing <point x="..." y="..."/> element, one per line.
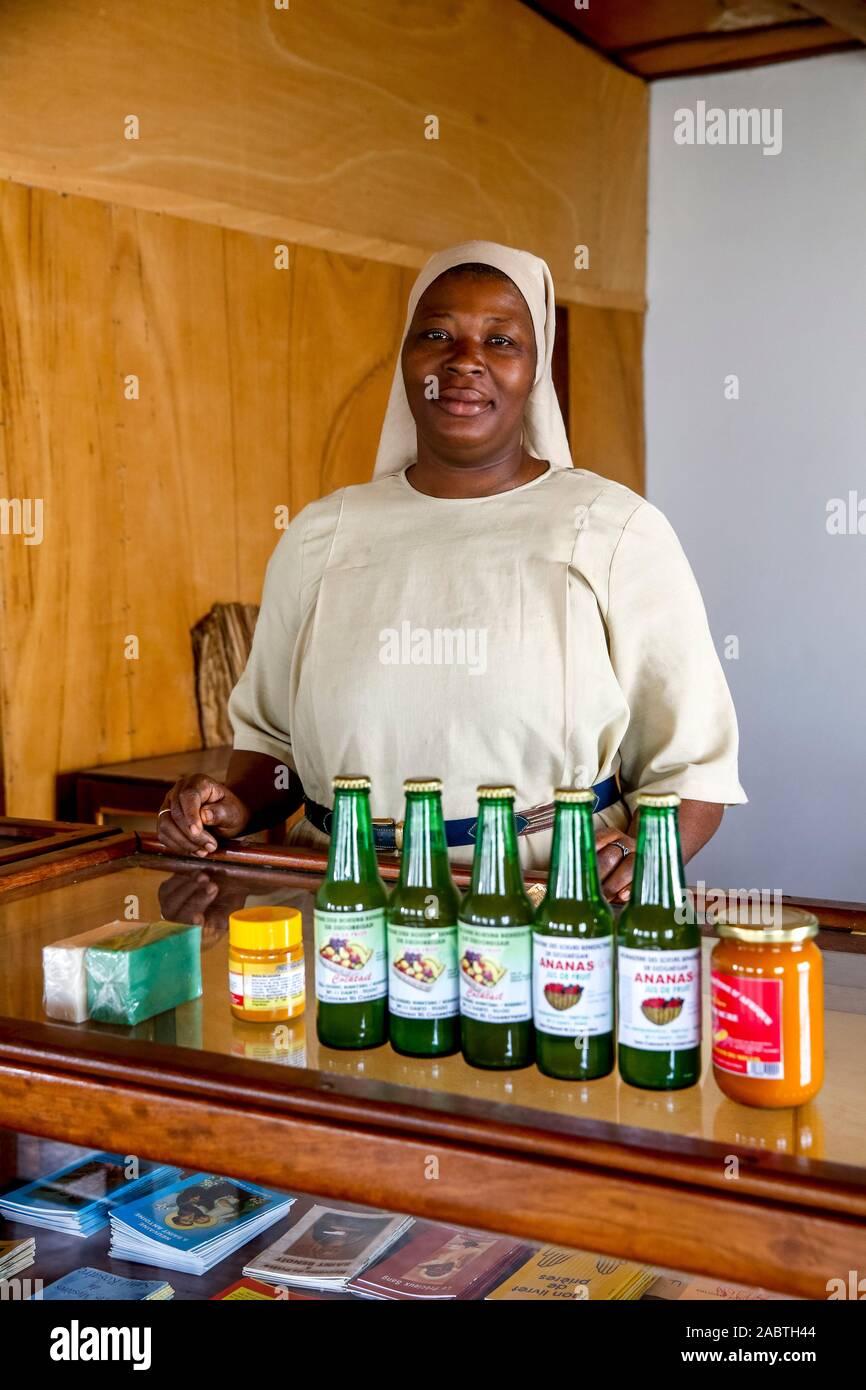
<point x="142" y="971"/>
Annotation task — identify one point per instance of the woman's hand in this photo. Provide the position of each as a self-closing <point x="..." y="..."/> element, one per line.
<point x="195" y="806"/>
<point x="615" y="868"/>
<point x="699" y="821"/>
<point x="204" y="899"/>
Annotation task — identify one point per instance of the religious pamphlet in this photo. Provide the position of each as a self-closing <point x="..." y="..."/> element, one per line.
<point x="100" y="1286"/>
<point x="556" y="1273"/>
<point x="327" y="1247"/>
<point x="439" y="1262"/>
<point x="193" y="1224"/>
<point x="702" y="1290"/>
<point x="76" y="1200"/>
<point x="16" y="1255"/>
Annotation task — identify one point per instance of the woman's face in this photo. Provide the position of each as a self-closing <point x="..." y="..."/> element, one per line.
<point x="468" y="366"/>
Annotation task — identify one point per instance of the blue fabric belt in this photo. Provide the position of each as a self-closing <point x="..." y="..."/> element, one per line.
<point x="388" y="834"/>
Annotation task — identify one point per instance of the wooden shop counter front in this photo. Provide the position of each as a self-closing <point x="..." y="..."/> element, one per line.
<point x="687" y="1180"/>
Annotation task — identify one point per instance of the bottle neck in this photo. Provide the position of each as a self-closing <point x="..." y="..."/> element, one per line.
<point x="496" y="864"/>
<point x="659" y="877"/>
<point x="352" y="853"/>
<point x="573" y="863"/>
<point x="424" y="861"/>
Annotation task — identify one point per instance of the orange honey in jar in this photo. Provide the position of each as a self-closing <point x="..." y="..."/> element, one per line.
<point x="266" y="964"/>
<point x="767" y="994"/>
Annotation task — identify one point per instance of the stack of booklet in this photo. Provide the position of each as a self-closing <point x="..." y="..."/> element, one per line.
<point x="76" y="1200"/>
<point x="327" y="1248"/>
<point x="439" y="1262"/>
<point x="16" y="1255"/>
<point x="193" y="1224"/>
<point x="671" y="1286"/>
<point x="100" y="1286"/>
<point x="555" y="1273"/>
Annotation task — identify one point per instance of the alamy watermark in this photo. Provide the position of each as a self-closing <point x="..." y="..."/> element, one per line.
<point x="754" y="905"/>
<point x="737" y="126"/>
<point x="846" y="516"/>
<point x="854" y="1287"/>
<point x="22" y="516"/>
<point x="438" y="646"/>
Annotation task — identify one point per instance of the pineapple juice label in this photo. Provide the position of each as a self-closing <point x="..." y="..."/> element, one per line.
<point x="422" y="972"/>
<point x="572" y="985"/>
<point x="659" y="999"/>
<point x="350" y="956"/>
<point x="495" y="973"/>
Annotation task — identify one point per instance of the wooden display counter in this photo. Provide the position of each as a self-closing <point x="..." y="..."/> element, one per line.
<point x="687" y="1179"/>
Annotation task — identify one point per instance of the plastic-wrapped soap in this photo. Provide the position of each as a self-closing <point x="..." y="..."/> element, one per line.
<point x="64" y="976"/>
<point x="146" y="968"/>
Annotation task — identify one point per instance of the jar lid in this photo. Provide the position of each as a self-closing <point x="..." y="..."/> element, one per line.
<point x="351" y="783"/>
<point x="575" y="796"/>
<point x="265" y="928"/>
<point x="653" y="800"/>
<point x="495" y="793"/>
<point x="422" y="784"/>
<point x="786" y="924"/>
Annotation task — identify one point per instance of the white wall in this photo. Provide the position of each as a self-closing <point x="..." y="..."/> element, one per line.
<point x="757" y="266"/>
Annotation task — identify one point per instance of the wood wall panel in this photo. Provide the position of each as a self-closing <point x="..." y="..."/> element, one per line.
<point x="258" y="388"/>
<point x="307" y="124"/>
<point x="606" y="393"/>
<point x="347" y="321"/>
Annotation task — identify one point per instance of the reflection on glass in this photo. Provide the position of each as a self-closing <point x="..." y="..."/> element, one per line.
<point x="284" y="1043"/>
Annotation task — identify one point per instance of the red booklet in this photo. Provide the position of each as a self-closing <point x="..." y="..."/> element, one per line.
<point x="439" y="1262"/>
<point x="255" y="1289"/>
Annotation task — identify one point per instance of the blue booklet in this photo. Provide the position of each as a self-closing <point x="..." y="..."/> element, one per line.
<point x="76" y="1200"/>
<point x="193" y="1224"/>
<point x="98" y="1285"/>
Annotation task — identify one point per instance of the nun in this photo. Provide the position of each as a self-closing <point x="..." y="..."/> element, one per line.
<point x="481" y="611"/>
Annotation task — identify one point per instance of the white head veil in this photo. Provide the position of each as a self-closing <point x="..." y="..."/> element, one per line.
<point x="544" y="433"/>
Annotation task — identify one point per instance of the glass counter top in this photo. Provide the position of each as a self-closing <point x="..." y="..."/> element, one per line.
<point x="830" y="1130"/>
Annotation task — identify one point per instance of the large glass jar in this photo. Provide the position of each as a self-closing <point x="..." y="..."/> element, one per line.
<point x="767" y="988"/>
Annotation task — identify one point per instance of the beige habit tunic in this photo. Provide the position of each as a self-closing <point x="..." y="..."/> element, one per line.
<point x="546" y="636"/>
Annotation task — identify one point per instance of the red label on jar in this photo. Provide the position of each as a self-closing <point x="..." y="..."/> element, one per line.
<point x="747" y="1026"/>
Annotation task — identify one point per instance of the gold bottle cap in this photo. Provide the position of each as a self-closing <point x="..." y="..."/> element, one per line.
<point x="349" y="783"/>
<point x="496" y="793"/>
<point x="575" y="796"/>
<point x="782" y="925"/>
<point x="656" y="800"/>
<point x="422" y="784"/>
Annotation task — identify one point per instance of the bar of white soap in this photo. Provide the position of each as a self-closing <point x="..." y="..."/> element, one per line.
<point x="64" y="977"/>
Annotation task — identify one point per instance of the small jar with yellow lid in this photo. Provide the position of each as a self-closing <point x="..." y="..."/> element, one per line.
<point x="266" y="964"/>
<point x="767" y="991"/>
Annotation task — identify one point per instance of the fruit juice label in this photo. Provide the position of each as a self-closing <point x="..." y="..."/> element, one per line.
<point x="572" y="985"/>
<point x="266" y="986"/>
<point x="422" y="972"/>
<point x="659" y="999"/>
<point x="747" y="1025"/>
<point x="350" y="956"/>
<point x="495" y="969"/>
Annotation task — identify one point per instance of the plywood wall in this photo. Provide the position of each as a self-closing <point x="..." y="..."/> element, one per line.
<point x="309" y="122"/>
<point x="258" y="387"/>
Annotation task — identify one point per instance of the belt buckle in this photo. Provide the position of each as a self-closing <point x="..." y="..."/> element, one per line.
<point x="398" y="829"/>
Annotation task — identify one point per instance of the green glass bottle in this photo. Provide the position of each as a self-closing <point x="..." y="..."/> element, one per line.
<point x="495" y="943"/>
<point x="658" y="959"/>
<point x="351" y="979"/>
<point x="572" y="960"/>
<point x="423" y="994"/>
